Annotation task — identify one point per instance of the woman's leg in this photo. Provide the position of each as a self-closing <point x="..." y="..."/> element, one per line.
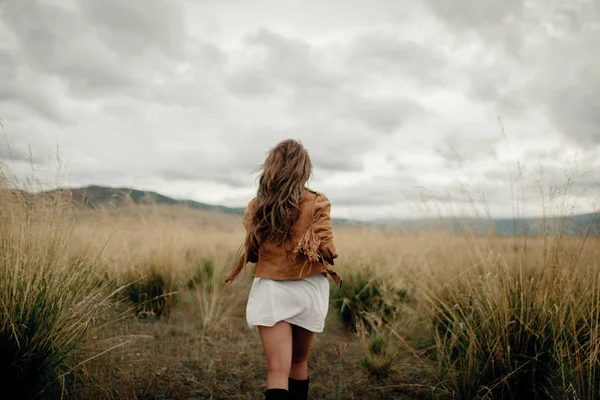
<point x="301" y="341"/>
<point x="277" y="344"/>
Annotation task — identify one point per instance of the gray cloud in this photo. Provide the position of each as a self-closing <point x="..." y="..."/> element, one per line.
<point x="37" y="101"/>
<point x="18" y="86"/>
<point x="289" y="68"/>
<point x="251" y="82"/>
<point x="134" y="26"/>
<point x="470" y="14"/>
<point x="57" y="41"/>
<point x="377" y="191"/>
<point x="496" y="22"/>
<point x="294" y="70"/>
<point x="575" y="105"/>
<point x="460" y="147"/>
<point x="380" y="113"/>
<point x="97" y="48"/>
<point x="392" y="55"/>
<point x="186" y="94"/>
<point x="569" y="90"/>
<point x="292" y="62"/>
<point x="8" y="154"/>
<point x="14" y="148"/>
<point x="531" y="56"/>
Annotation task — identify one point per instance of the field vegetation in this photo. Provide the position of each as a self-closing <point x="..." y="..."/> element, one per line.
<point x="128" y="303"/>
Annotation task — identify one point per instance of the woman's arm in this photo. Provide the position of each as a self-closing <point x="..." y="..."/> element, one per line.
<point x="247" y="255"/>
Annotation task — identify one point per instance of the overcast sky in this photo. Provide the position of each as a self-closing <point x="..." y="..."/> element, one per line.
<point x="397" y="101"/>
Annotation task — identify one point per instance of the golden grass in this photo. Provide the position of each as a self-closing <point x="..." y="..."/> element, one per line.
<point x="439" y="314"/>
<point x="48" y="299"/>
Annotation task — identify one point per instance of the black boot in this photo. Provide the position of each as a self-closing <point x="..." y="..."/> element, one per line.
<point x="277" y="394"/>
<point x="298" y="389"/>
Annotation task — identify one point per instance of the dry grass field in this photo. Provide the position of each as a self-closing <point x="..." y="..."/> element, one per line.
<point x="128" y="303"/>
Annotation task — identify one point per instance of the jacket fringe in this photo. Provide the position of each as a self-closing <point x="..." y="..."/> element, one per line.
<point x="308" y="245"/>
<point x="334" y="275"/>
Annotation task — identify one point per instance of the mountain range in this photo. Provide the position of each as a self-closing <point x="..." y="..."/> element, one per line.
<point x="100" y="196"/>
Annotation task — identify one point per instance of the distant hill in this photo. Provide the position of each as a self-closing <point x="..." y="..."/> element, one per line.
<point x="100" y="196"/>
<point x="570" y="225"/>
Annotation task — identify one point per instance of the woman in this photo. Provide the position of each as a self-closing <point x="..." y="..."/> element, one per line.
<point x="288" y="236"/>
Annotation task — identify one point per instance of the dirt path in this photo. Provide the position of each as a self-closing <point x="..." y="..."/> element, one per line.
<point x="173" y="359"/>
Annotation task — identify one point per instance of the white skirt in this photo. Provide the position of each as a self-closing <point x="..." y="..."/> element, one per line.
<point x="303" y="302"/>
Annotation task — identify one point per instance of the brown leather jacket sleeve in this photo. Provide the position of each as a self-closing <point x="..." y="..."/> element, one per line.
<point x="322" y="228"/>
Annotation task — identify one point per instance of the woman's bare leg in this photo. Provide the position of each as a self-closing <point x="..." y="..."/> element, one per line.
<point x="277" y="344"/>
<point x="301" y="341"/>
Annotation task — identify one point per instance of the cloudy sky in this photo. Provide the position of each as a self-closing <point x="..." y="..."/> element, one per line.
<point x="402" y="104"/>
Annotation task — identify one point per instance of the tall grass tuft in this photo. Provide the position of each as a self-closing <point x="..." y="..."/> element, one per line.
<point x="520" y="324"/>
<point x="48" y="300"/>
<point x="381" y="346"/>
<point x="210" y="301"/>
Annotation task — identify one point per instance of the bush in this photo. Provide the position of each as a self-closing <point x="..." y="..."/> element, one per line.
<point x="152" y="294"/>
<point x="365" y="292"/>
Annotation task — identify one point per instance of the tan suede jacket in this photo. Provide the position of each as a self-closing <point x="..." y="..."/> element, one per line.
<point x="309" y="252"/>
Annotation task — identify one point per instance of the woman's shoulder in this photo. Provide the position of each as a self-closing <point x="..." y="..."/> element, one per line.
<point x="312" y="193"/>
<point x="317" y="199"/>
<point x="308" y="197"/>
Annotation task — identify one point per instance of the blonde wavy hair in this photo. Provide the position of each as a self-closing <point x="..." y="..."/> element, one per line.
<point x="283" y="177"/>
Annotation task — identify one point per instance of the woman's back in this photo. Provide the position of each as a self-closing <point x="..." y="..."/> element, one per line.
<point x="307" y="252"/>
